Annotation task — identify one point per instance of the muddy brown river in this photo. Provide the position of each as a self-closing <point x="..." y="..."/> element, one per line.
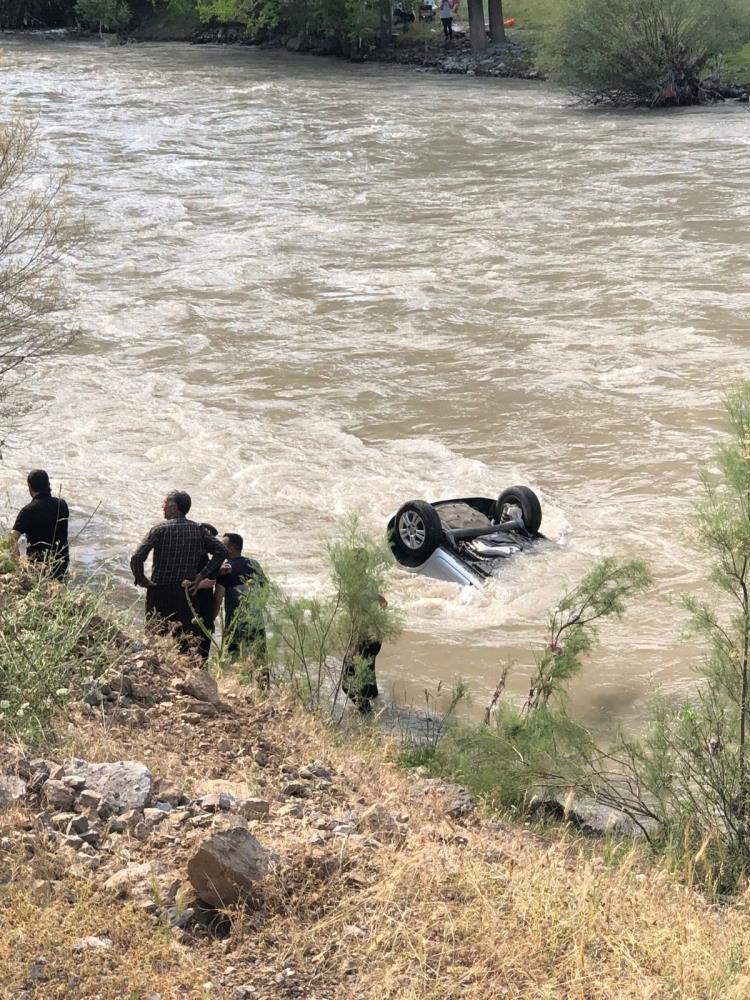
<point x="316" y="287"/>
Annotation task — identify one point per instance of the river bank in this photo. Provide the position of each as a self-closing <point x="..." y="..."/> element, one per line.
<point x="173" y="837"/>
<point x="512" y="59"/>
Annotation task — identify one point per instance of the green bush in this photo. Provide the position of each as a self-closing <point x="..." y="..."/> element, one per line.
<point x="54" y="641"/>
<point x="642" y="52"/>
<point x="503" y="762"/>
<point x="310" y="639"/>
<point x="343" y="19"/>
<point x="538" y="743"/>
<point x="689" y="773"/>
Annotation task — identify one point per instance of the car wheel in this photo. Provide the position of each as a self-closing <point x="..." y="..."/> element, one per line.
<point x="416" y="533"/>
<point x="519" y="501"/>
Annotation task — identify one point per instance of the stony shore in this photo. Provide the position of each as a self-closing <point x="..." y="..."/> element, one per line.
<point x="514" y="58"/>
<point x="511" y="58"/>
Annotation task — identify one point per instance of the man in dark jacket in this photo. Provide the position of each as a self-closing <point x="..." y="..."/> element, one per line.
<point x="244" y="575"/>
<point x="178" y="547"/>
<point x="44" y="522"/>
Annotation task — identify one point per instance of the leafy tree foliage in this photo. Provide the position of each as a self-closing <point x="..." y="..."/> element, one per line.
<point x="35" y="13"/>
<point x="104" y="15"/>
<point x="312" y="638"/>
<point x="344" y="19"/>
<point x="35" y="239"/>
<point x="690" y="772"/>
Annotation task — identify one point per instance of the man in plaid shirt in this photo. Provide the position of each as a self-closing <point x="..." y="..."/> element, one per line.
<point x="177" y="546"/>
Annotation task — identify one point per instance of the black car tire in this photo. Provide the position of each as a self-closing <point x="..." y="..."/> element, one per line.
<point x="528" y="503"/>
<point x="417" y="532"/>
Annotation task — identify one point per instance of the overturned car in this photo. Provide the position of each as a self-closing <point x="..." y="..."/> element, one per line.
<point x="464" y="541"/>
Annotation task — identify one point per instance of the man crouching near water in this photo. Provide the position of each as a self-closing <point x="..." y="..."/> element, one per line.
<point x="178" y="547"/>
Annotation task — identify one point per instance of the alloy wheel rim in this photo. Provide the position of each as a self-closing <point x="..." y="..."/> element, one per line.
<point x="411" y="529"/>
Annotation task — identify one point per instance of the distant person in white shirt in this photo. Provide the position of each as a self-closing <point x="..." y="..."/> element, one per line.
<point x="446" y="16"/>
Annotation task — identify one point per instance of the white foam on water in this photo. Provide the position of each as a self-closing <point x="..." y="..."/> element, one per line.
<point x="300" y="301"/>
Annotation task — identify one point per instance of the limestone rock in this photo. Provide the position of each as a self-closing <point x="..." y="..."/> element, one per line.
<point x="78" y="825"/>
<point x="216" y="802"/>
<point x="461" y="803"/>
<point x="456" y="800"/>
<point x="199" y="684"/>
<point x="297" y="789"/>
<point x="89" y="800"/>
<point x="318" y="770"/>
<point x="164" y="791"/>
<point x="93" y="943"/>
<point x="60" y="820"/>
<point x="203" y="709"/>
<point x="293" y="809"/>
<point x="590" y="815"/>
<point x="12" y="788"/>
<point x="124" y="785"/>
<point x="226" y="865"/>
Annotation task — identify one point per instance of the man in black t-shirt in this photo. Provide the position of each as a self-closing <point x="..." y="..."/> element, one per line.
<point x="44" y="522"/>
<point x="244" y="574"/>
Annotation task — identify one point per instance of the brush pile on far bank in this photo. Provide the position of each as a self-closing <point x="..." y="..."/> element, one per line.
<point x="173" y="837"/>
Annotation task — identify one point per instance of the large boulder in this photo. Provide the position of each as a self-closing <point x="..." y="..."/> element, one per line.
<point x="227" y="865"/>
<point x="123" y="785"/>
<point x="590" y="815"/>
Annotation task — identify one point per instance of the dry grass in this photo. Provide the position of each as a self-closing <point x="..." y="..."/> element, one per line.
<point x="455" y="911"/>
<point x="46" y="911"/>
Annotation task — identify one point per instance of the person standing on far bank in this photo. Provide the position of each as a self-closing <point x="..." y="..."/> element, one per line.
<point x="446" y="16"/>
<point x="178" y="547"/>
<point x="44" y="522"/>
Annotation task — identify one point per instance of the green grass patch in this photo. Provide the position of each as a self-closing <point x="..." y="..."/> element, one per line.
<point x="54" y="642"/>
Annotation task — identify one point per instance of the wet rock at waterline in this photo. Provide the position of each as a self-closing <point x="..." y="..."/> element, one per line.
<point x="590" y="815"/>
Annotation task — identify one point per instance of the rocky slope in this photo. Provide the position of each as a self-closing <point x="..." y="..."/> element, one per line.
<point x="184" y="839"/>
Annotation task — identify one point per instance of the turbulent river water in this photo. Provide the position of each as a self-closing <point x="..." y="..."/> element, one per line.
<point x="314" y="287"/>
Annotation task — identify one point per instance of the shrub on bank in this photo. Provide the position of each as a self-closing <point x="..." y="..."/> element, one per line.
<point x="642" y="52"/>
<point x="685" y="780"/>
<point x="103" y="15"/>
<point x="53" y="642"/>
<point x="537" y="742"/>
<point x="315" y="643"/>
